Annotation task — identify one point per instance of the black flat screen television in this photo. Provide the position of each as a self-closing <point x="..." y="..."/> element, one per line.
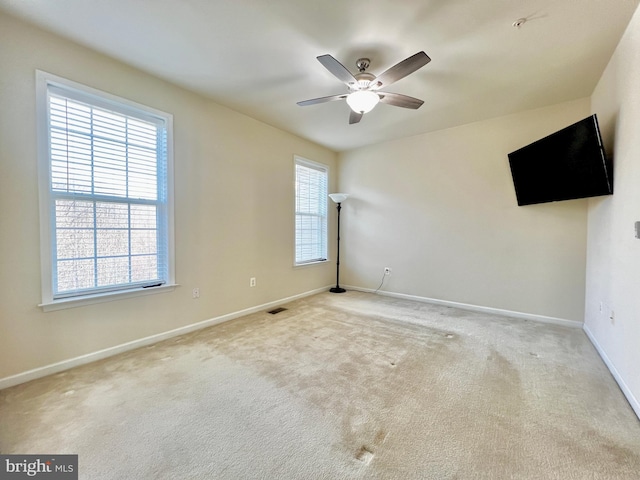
<point x="565" y="165"/>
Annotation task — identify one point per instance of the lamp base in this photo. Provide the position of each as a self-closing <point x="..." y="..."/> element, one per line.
<point x="337" y="290"/>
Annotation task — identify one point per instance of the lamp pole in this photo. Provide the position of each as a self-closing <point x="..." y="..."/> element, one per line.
<point x="338" y="198"/>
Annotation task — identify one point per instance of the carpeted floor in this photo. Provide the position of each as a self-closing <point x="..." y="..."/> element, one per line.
<point x="353" y="386"/>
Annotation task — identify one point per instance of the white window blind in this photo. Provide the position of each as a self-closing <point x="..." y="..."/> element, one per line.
<point x="311" y="211"/>
<point x="107" y="195"/>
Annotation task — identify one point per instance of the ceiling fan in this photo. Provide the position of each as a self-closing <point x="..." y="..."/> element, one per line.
<point x="364" y="87"/>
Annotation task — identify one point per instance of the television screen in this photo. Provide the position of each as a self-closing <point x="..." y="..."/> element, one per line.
<point x="568" y="164"/>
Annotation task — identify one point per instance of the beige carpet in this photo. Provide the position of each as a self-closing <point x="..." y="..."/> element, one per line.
<point x="354" y="386"/>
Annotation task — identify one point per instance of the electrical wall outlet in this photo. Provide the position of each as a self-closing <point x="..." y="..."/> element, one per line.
<point x="607" y="312"/>
<point x="196" y="293"/>
<point x="387" y="270"/>
<point x="252" y="282"/>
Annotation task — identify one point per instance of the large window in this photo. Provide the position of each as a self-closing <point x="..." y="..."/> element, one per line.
<point x="105" y="193"/>
<point x="311" y="211"/>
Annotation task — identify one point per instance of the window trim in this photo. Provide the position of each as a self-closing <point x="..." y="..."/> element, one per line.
<point x="298" y="160"/>
<point x="43" y="81"/>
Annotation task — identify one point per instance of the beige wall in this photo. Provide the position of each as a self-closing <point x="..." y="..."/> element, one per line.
<point x="441" y="211"/>
<point x="613" y="262"/>
<point x="234" y="209"/>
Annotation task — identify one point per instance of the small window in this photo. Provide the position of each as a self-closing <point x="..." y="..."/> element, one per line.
<point x="105" y="192"/>
<point x="311" y="211"/>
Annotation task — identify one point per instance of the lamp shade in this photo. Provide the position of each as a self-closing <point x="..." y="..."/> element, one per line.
<point x="338" y="197"/>
<point x="362" y="101"/>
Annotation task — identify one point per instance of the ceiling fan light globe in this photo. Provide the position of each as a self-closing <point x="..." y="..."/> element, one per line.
<point x="362" y="101"/>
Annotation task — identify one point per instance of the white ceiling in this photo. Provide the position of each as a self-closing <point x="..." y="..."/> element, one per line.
<point x="259" y="56"/>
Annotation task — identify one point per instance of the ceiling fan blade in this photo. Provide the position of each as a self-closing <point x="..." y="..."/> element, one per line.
<point x="354" y="117"/>
<point x="402" y="69"/>
<point x="398" y="100"/>
<point x="315" y="101"/>
<point x="338" y="70"/>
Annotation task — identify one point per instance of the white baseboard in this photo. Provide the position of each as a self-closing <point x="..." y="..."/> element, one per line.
<point x="39" y="372"/>
<point x="633" y="401"/>
<point x="476" y="308"/>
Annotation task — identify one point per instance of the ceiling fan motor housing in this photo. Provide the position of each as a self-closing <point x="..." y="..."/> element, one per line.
<point x="364" y="80"/>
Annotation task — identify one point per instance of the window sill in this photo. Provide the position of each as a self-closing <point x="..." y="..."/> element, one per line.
<point x="309" y="264"/>
<point x="103" y="297"/>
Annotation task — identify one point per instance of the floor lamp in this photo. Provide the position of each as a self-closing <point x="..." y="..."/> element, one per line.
<point x="338" y="198"/>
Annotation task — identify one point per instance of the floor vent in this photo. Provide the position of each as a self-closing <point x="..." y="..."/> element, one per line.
<point x="276" y="310"/>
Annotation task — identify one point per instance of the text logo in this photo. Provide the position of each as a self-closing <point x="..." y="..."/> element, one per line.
<point x="50" y="467"/>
